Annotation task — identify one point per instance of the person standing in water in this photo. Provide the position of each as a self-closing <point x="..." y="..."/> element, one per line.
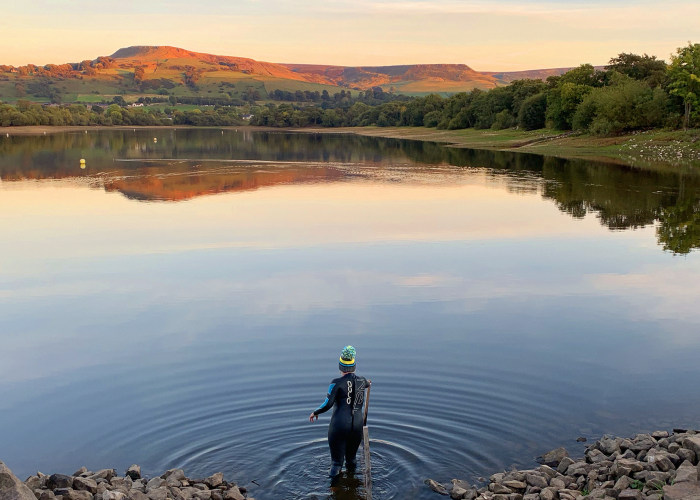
<point x="347" y="394"/>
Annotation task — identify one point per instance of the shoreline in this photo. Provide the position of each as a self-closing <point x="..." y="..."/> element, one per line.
<point x="659" y="465"/>
<point x="675" y="149"/>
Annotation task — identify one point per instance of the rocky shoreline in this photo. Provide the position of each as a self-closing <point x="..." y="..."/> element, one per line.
<point x="655" y="466"/>
<point x="105" y="484"/>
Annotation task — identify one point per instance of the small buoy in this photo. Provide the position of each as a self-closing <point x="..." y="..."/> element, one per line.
<point x="82" y="163"/>
<point x="86" y="131"/>
<point x="155" y="139"/>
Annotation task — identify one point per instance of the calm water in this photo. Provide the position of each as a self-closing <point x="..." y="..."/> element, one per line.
<point x="182" y="303"/>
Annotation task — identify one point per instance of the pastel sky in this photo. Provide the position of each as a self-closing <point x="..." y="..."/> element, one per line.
<point x="495" y="35"/>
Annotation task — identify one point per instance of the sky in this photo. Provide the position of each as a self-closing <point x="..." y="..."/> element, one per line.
<point x="495" y="35"/>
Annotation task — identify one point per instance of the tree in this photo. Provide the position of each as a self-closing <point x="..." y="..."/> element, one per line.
<point x="684" y="78"/>
<point x="645" y="67"/>
<point x="532" y="112"/>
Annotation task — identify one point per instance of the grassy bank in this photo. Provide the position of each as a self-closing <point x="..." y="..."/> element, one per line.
<point x="676" y="148"/>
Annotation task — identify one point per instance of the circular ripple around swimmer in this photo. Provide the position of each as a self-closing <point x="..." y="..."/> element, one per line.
<point x="302" y="472"/>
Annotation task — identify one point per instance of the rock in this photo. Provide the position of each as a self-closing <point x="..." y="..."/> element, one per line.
<point x="435" y="486"/>
<point x="77" y="495"/>
<point x="11" y="488"/>
<point x="46" y="495"/>
<point x="692" y="443"/>
<point x="499" y="488"/>
<point x="579" y="469"/>
<point x="558" y="483"/>
<point x="682" y="491"/>
<point x="59" y="481"/>
<point x="642" y="442"/>
<point x="515" y="485"/>
<point x="625" y="467"/>
<point x="548" y="494"/>
<point x="137" y="495"/>
<point x="214" y="480"/>
<point x="660" y="460"/>
<point x="674" y="447"/>
<point x="685" y="454"/>
<point x="546" y="470"/>
<point x="536" y="480"/>
<point x="113" y="495"/>
<point x="160" y="493"/>
<point x="595" y="456"/>
<point x="630" y="494"/>
<point x="35" y="483"/>
<point x="178" y="474"/>
<point x="80" y="471"/>
<point x="608" y="445"/>
<point x="134" y="472"/>
<point x="105" y="474"/>
<point x="686" y="472"/>
<point x="564" y="464"/>
<point x="118" y="482"/>
<point x="581" y="439"/>
<point x="233" y="494"/>
<point x="553" y="457"/>
<point x="154" y="483"/>
<point x="217" y="495"/>
<point x="203" y="495"/>
<point x="200" y="486"/>
<point x="659" y="434"/>
<point x="85" y="484"/>
<point x="457" y="492"/>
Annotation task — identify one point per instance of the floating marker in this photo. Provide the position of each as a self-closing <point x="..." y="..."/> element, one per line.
<point x="155" y="139"/>
<point x="82" y="163"/>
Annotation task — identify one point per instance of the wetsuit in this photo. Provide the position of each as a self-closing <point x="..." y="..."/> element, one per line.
<point x="347" y="393"/>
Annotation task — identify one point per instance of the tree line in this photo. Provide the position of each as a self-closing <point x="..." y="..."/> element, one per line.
<point x="632" y="92"/>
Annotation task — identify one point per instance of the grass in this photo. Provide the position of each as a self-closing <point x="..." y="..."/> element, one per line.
<point x="649" y="149"/>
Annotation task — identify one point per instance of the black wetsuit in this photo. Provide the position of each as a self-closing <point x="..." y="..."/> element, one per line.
<point x="347" y="393"/>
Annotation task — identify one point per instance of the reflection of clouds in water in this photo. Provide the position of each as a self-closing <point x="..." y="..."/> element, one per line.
<point x="662" y="294"/>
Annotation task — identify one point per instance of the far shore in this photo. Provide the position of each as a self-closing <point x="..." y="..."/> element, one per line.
<point x="653" y="148"/>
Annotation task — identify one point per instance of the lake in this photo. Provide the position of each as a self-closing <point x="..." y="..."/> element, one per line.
<point x="182" y="300"/>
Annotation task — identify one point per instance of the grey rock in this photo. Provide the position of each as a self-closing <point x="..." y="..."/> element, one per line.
<point x="625" y="444"/>
<point x="659" y="434"/>
<point x="59" y="492"/>
<point x="34" y="483"/>
<point x="685" y="454"/>
<point x="160" y="493"/>
<point x="214" y="480"/>
<point x="80" y="471"/>
<point x="546" y="470"/>
<point x="609" y="445"/>
<point x="515" y="485"/>
<point x="564" y="465"/>
<point x="46" y="495"/>
<point x="498" y="477"/>
<point x="553" y="457"/>
<point x="178" y="474"/>
<point x="628" y="454"/>
<point x="59" y="481"/>
<point x="154" y="484"/>
<point x="118" y="482"/>
<point x="77" y="495"/>
<point x="203" y="495"/>
<point x="692" y="443"/>
<point x="105" y="474"/>
<point x="200" y="486"/>
<point x="86" y="484"/>
<point x="11" y="488"/>
<point x="233" y="494"/>
<point x="558" y="483"/>
<point x="113" y="495"/>
<point x="595" y="456"/>
<point x="457" y="492"/>
<point x="660" y="460"/>
<point x="674" y="447"/>
<point x="625" y="467"/>
<point x="134" y="472"/>
<point x="548" y="494"/>
<point x="682" y="491"/>
<point x="499" y="488"/>
<point x="642" y="442"/>
<point x="630" y="494"/>
<point x="686" y="472"/>
<point x="536" y="480"/>
<point x="435" y="486"/>
<point x="579" y="469"/>
<point x="217" y="495"/>
<point x="531" y="496"/>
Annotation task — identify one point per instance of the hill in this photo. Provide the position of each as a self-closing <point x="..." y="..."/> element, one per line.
<point x="200" y="78"/>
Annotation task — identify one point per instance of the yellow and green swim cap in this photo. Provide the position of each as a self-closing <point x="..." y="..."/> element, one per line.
<point x="347" y="359"/>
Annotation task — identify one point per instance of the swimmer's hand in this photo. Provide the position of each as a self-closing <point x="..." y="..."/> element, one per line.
<point x="313" y="417"/>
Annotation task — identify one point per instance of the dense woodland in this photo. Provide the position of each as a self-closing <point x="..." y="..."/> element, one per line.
<point x="632" y="92"/>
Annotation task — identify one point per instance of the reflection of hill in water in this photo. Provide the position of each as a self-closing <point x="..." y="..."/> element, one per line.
<point x="621" y="197"/>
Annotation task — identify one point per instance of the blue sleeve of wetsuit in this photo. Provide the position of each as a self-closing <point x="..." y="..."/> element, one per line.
<point x="330" y="400"/>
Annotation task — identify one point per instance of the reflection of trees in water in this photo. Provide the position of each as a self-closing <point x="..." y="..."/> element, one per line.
<point x="621" y="197"/>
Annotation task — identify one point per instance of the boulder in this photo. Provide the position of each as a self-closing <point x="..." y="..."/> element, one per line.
<point x="548" y="494"/>
<point x="692" y="443"/>
<point x="595" y="456"/>
<point x="113" y="495"/>
<point x="80" y="471"/>
<point x="154" y="483"/>
<point x="178" y="474"/>
<point x="642" y="442"/>
<point x="11" y="488"/>
<point x="214" y="480"/>
<point x="564" y="464"/>
<point x="659" y="434"/>
<point x="435" y="486"/>
<point x="158" y="493"/>
<point x="202" y="495"/>
<point x="77" y="495"/>
<point x="682" y="491"/>
<point x="136" y="495"/>
<point x="625" y="467"/>
<point x="134" y="472"/>
<point x="609" y="445"/>
<point x="105" y="474"/>
<point x="233" y="494"/>
<point x="536" y="480"/>
<point x="59" y="481"/>
<point x="217" y="495"/>
<point x="553" y="457"/>
<point x="686" y="472"/>
<point x="686" y="454"/>
<point x="45" y="495"/>
<point x="85" y="484"/>
<point x="546" y="470"/>
<point x="35" y="483"/>
<point x="630" y="494"/>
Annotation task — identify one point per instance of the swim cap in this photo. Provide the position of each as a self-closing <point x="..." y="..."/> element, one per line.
<point x="347" y="359"/>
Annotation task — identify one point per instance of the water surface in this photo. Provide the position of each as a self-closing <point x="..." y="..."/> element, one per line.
<point x="182" y="303"/>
